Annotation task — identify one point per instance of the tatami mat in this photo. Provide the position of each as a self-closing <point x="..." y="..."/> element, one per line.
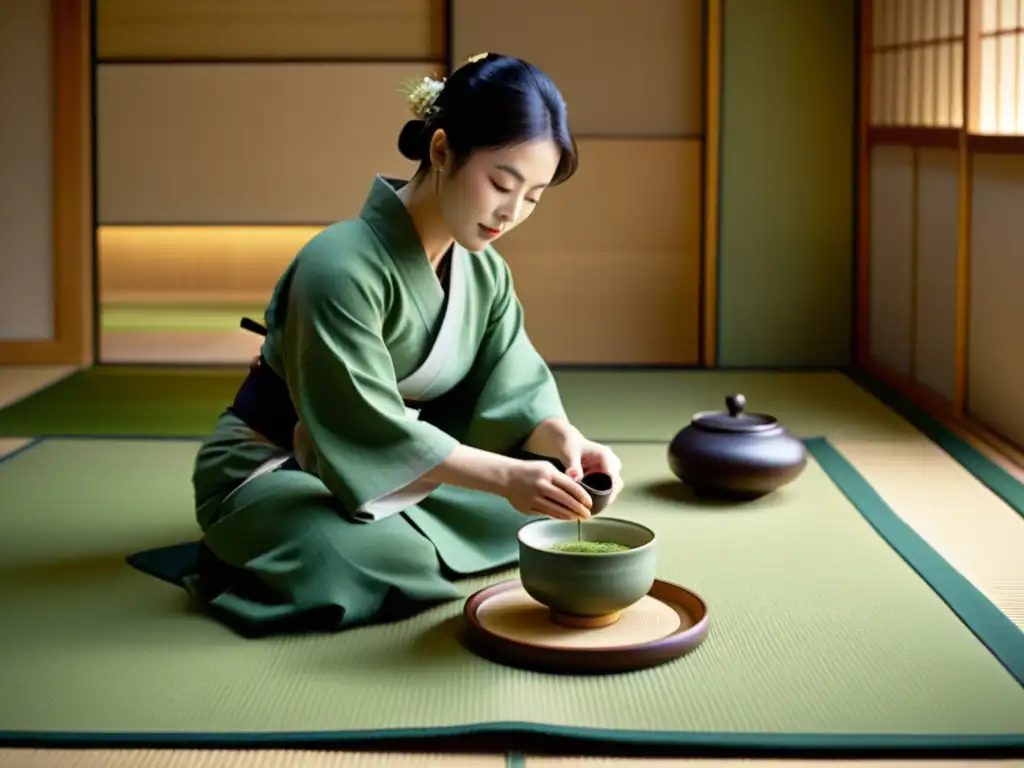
<point x="220" y="758"/>
<point x="791" y="581"/>
<point x="970" y="527"/>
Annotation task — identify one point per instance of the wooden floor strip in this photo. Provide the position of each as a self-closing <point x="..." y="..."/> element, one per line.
<point x="20" y="381"/>
<point x="9" y="445"/>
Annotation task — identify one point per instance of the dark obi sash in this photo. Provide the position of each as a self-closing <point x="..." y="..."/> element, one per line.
<point x="263" y="402"/>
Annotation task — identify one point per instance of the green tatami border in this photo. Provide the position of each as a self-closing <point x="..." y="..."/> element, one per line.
<point x="992" y="628"/>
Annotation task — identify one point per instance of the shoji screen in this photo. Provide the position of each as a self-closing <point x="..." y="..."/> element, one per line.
<point x="1001" y="68"/>
<point x="917" y="63"/>
<point x="944" y="262"/>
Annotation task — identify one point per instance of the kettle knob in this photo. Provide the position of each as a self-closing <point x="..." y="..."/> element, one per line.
<point x="735" y="404"/>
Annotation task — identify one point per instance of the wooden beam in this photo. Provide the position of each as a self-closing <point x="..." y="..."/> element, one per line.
<point x="862" y="255"/>
<point x="32" y="352"/>
<point x="965" y="187"/>
<point x="900" y="136"/>
<point x="712" y="168"/>
<point x="73" y="225"/>
<point x="997" y="145"/>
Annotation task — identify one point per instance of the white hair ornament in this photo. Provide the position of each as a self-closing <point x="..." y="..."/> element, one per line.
<point x="421" y="95"/>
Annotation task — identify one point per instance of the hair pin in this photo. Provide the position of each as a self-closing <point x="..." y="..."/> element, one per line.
<point x="421" y="95"/>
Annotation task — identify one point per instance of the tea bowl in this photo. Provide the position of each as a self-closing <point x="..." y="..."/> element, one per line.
<point x="585" y="589"/>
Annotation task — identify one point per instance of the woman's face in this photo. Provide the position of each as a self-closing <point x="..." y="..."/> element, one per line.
<point x="495" y="190"/>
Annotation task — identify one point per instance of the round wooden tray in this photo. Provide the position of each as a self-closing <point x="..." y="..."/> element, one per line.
<point x="508" y="626"/>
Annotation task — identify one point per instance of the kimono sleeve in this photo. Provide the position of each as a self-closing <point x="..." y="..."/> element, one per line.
<point x="369" y="452"/>
<point x="510" y="388"/>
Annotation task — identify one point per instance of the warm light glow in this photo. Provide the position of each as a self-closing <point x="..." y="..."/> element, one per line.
<point x="1020" y="78"/>
<point x="1000" y="16"/>
<point x="1008" y="86"/>
<point x="917" y="62"/>
<point x="878" y="111"/>
<point x="915" y="99"/>
<point x="943" y="84"/>
<point x="928" y="58"/>
<point x="1001" y="68"/>
<point x="988" y="77"/>
<point x="989" y="18"/>
<point x="956" y="92"/>
<point x="901" y="88"/>
<point x="194" y="263"/>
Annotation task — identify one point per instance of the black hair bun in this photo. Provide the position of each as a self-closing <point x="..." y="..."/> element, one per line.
<point x="411" y="140"/>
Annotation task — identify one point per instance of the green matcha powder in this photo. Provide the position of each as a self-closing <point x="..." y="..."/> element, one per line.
<point x="589" y="547"/>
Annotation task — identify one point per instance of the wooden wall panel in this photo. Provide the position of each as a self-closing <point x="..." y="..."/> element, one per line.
<point x="26" y="179"/>
<point x="996" y="342"/>
<point x="608" y="266"/>
<point x="254" y="144"/>
<point x="604" y="279"/>
<point x="625" y="68"/>
<point x="892" y="246"/>
<point x="936" y="271"/>
<point x="270" y="29"/>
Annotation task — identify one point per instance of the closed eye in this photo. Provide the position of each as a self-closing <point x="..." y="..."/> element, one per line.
<point x="506" y="191"/>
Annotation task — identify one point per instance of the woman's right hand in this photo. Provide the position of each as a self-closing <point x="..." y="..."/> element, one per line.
<point x="539" y="488"/>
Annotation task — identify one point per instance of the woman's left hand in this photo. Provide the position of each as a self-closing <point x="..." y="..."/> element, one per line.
<point x="581" y="457"/>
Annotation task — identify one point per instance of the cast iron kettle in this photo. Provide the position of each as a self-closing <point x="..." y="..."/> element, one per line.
<point x="735" y="454"/>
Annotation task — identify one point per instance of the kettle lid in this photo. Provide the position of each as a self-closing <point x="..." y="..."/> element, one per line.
<point x="734" y="419"/>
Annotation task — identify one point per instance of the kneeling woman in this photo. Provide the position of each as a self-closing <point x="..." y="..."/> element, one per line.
<point x="391" y="437"/>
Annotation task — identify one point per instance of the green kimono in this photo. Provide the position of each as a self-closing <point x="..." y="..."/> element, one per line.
<point x="360" y="326"/>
